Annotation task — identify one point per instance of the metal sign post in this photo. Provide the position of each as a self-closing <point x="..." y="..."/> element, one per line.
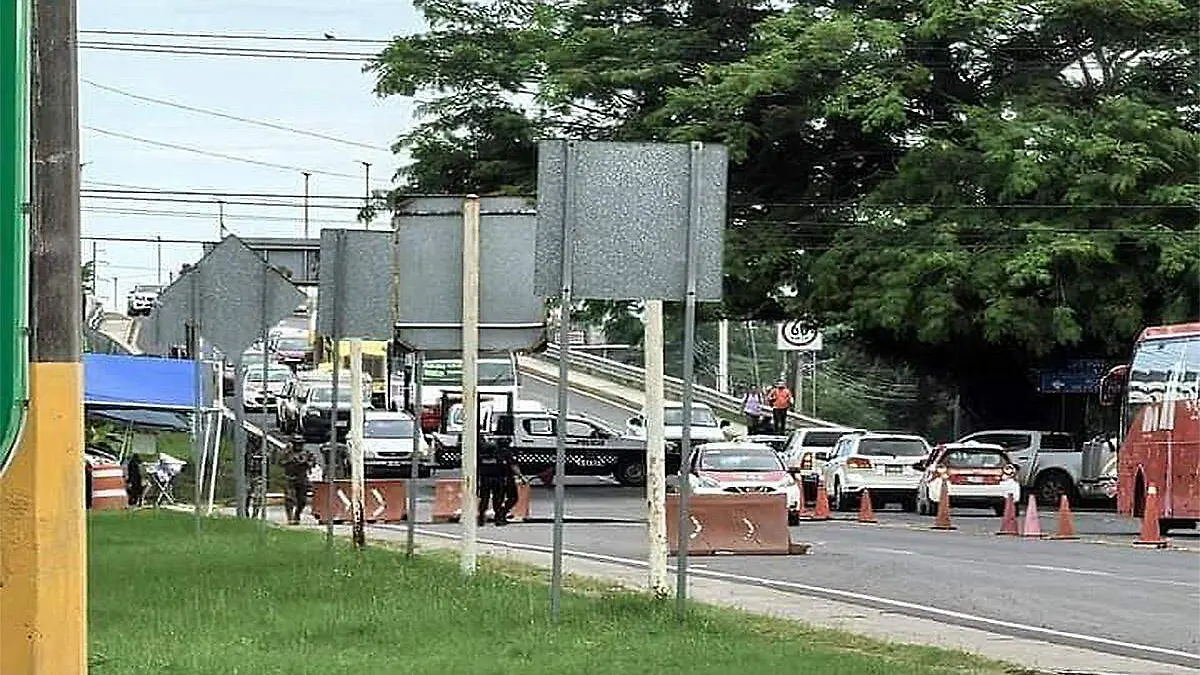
<point x="566" y="265"/>
<point x="413" y="463"/>
<point x="610" y="216"/>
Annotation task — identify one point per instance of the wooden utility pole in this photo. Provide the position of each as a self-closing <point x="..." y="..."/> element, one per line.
<point x="43" y="630"/>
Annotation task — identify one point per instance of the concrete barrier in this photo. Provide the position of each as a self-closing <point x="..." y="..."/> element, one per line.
<point x="746" y="524"/>
<point x="383" y="501"/>
<point x="108" y="487"/>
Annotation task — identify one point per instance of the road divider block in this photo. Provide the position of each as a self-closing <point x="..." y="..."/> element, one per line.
<point x="108" y="487"/>
<point x="383" y="501"/>
<point x="735" y="524"/>
<point x="447" y="501"/>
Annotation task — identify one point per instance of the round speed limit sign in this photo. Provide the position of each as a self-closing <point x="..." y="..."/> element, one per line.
<point x="795" y="336"/>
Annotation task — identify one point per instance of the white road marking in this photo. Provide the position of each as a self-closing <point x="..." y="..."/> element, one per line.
<point x="896" y="551"/>
<point x="851" y="595"/>
<point x="1069" y="570"/>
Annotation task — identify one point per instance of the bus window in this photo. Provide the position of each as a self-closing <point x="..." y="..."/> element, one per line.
<point x="1151" y="375"/>
<point x="1189" y="379"/>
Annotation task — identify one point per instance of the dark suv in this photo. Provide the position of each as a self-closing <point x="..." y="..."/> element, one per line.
<point x="316" y="409"/>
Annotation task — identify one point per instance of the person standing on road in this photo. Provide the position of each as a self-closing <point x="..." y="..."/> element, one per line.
<point x="490" y="468"/>
<point x="780" y="399"/>
<point x="512" y="476"/>
<point x="297" y="462"/>
<point x="752" y="408"/>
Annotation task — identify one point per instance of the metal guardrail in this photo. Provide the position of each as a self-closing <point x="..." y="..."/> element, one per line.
<point x="634" y="377"/>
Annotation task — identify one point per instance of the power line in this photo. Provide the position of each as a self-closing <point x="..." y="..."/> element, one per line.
<point x="218" y="155"/>
<point x="206" y="216"/>
<point x="146" y="240"/>
<point x="236" y="36"/>
<point x="140" y="190"/>
<point x="245" y="120"/>
<point x="241" y="53"/>
<point x="228" y="202"/>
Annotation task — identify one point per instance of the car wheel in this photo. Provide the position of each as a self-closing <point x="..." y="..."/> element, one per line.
<point x="630" y="474"/>
<point x="1050" y="487"/>
<point x="841" y="500"/>
<point x="998" y="509"/>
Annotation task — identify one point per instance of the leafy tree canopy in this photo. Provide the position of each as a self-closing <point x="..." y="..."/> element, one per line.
<point x="980" y="187"/>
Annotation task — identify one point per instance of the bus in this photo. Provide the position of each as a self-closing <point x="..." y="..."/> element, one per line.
<point x="1159" y="424"/>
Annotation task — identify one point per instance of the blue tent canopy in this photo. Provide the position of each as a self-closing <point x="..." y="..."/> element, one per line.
<point x="138" y="382"/>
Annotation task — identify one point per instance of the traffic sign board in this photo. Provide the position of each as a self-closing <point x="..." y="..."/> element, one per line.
<point x="14" y="168"/>
<point x="794" y="336"/>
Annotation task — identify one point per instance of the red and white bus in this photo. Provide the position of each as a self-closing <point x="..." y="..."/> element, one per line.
<point x="1160" y="424"/>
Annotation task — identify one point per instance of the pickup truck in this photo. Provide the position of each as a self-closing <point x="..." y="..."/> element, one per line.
<point x="593" y="449"/>
<point x="706" y="427"/>
<point x="1051" y="464"/>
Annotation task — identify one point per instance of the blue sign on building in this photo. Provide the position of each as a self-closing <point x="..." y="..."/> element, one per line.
<point x="1080" y="376"/>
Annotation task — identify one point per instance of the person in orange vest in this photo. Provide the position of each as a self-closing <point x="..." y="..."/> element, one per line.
<point x="780" y="399"/>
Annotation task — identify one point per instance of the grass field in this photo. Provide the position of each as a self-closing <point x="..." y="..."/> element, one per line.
<point x="229" y="602"/>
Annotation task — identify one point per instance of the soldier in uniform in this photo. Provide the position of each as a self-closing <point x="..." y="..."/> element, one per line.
<point x="256" y="481"/>
<point x="491" y="465"/>
<point x="296" y="463"/>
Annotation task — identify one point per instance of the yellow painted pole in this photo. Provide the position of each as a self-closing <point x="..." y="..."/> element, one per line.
<point x="43" y="556"/>
<point x="42" y="539"/>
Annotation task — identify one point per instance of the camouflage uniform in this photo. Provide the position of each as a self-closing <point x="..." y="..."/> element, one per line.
<point x="296" y="463"/>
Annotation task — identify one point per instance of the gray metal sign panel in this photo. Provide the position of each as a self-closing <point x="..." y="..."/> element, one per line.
<point x="430" y="241"/>
<point x="240" y="295"/>
<point x="630" y="207"/>
<point x="167" y="324"/>
<point x="299" y="259"/>
<point x="355" y="295"/>
<point x="236" y="294"/>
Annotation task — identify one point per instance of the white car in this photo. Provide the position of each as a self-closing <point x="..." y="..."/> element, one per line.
<point x="976" y="475"/>
<point x="454" y="419"/>
<point x="880" y="462"/>
<point x="388" y="444"/>
<point x="742" y="467"/>
<point x="257" y="397"/>
<point x="808" y="450"/>
<point x="706" y="428"/>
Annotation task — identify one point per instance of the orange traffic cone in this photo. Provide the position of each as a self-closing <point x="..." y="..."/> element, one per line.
<point x="1066" y="520"/>
<point x="1008" y="525"/>
<point x="942" y="522"/>
<point x="821" y="511"/>
<point x="1033" y="526"/>
<point x="866" y="512"/>
<point x="1151" y="536"/>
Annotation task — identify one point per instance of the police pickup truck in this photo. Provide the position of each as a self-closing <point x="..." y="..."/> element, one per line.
<point x="593" y="448"/>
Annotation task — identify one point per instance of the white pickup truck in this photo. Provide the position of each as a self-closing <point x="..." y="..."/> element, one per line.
<point x="706" y="427"/>
<point x="1050" y="463"/>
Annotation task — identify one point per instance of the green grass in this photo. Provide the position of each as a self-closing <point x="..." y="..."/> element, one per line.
<point x="163" y="600"/>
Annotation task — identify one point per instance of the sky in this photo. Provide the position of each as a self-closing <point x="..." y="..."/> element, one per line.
<point x="333" y="98"/>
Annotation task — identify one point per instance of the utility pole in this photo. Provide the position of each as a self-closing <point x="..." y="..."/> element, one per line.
<point x="95" y="270"/>
<point x="307" y="175"/>
<point x="220" y="219"/>
<point x="159" y="255"/>
<point x="116" y="302"/>
<point x="723" y="356"/>
<point x="367" y="192"/>
<point x="43" y="578"/>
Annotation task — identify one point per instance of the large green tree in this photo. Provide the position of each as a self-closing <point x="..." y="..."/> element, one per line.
<point x="977" y="187"/>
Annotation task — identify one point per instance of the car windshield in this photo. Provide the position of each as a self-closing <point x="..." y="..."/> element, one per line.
<point x="701" y="417"/>
<point x="272" y="375"/>
<point x="974" y="459"/>
<point x="292" y="345"/>
<point x="397" y="428"/>
<point x="491" y="373"/>
<point x="822" y="439"/>
<point x="895" y="447"/>
<point x="739" y="459"/>
<point x="325" y="395"/>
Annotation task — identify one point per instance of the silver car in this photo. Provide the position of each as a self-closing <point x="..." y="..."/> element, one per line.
<point x="388" y="445"/>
